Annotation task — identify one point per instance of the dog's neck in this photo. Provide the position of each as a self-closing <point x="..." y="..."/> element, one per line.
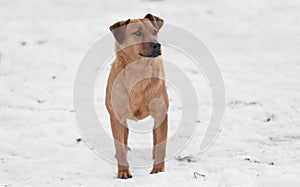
<point x="133" y="68"/>
<point x="124" y="59"/>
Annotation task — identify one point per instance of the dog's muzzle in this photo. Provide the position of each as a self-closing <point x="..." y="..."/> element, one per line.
<point x="156" y="51"/>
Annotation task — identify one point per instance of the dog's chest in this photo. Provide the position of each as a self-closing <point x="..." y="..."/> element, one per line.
<point x="143" y="82"/>
<point x="137" y="72"/>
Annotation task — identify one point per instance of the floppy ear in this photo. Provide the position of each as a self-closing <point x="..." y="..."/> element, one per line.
<point x="156" y="21"/>
<point x="118" y="30"/>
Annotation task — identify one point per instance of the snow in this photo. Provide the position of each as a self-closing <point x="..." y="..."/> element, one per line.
<point x="256" y="44"/>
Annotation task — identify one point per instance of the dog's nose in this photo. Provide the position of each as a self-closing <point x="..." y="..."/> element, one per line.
<point x="155" y="45"/>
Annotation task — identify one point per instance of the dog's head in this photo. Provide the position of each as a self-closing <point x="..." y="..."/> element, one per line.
<point x="138" y="37"/>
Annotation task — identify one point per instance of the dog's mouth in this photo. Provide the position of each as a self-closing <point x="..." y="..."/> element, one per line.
<point x="152" y="55"/>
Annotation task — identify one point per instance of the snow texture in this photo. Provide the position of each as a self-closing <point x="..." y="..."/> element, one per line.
<point x="256" y="44"/>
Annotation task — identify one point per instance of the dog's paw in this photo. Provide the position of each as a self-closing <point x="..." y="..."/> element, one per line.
<point x="157" y="170"/>
<point x="124" y="174"/>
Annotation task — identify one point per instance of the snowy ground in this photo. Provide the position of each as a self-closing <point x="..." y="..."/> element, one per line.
<point x="256" y="44"/>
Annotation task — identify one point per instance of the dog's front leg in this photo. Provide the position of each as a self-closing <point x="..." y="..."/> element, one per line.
<point x="120" y="134"/>
<point x="160" y="132"/>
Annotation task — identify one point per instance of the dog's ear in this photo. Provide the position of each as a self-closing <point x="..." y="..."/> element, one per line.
<point x="118" y="30"/>
<point x="156" y="21"/>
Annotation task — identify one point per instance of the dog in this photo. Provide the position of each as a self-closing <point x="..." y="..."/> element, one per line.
<point x="136" y="87"/>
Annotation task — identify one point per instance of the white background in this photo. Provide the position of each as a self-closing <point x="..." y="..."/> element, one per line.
<point x="256" y="44"/>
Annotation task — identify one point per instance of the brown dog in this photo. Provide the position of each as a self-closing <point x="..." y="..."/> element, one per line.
<point x="136" y="87"/>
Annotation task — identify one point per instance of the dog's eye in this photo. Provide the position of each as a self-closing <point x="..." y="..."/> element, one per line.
<point x="138" y="33"/>
<point x="154" y="32"/>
